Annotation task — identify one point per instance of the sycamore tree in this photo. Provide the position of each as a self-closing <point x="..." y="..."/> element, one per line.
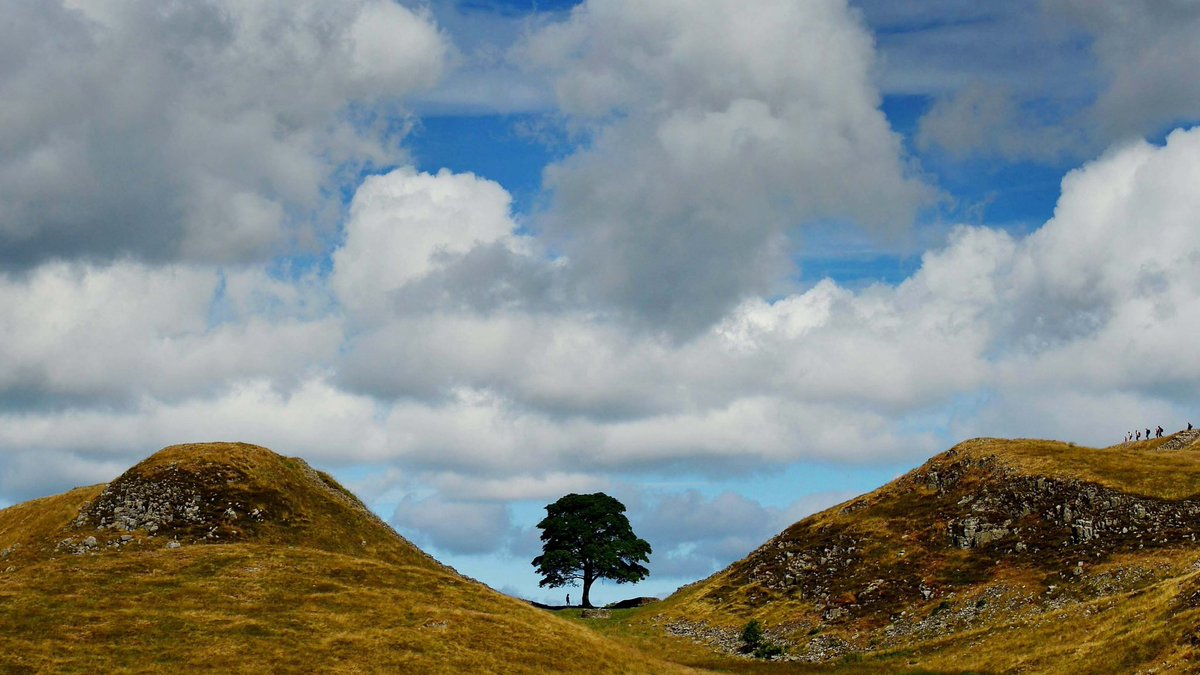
<point x="588" y="537"/>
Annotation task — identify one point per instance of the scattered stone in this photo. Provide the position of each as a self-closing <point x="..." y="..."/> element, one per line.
<point x="835" y="613"/>
<point x="173" y="544"/>
<point x="595" y="614"/>
<point x="1082" y="530"/>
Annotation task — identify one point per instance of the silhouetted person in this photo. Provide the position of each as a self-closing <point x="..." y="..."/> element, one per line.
<point x="1158" y="432"/>
<point x="1139" y="435"/>
<point x="1189" y="426"/>
<point x="568" y="599"/>
<point x="1147" y="433"/>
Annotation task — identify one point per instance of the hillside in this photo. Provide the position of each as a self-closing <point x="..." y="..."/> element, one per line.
<point x="228" y="557"/>
<point x="995" y="556"/>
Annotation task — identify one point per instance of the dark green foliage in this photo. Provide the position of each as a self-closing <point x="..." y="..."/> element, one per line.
<point x="754" y="642"/>
<point x="588" y="537"/>
<point x="752" y="634"/>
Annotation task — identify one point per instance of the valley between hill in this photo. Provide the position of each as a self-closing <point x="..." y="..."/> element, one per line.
<point x="994" y="556"/>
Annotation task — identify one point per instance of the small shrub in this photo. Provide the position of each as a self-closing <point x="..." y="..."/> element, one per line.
<point x="768" y="650"/>
<point x="754" y="642"/>
<point x="752" y="635"/>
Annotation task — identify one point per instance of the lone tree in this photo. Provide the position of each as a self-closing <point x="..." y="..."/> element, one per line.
<point x="588" y="537"/>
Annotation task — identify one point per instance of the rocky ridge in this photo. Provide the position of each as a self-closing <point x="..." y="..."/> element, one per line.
<point x="962" y="541"/>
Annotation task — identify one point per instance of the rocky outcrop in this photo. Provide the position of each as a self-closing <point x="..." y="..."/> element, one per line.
<point x="974" y="511"/>
<point x="172" y="501"/>
<point x="1181" y="440"/>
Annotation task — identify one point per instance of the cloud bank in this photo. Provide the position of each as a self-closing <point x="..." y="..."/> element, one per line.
<point x="204" y="131"/>
<point x="645" y="322"/>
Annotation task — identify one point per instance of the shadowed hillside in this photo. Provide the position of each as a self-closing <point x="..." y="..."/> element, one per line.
<point x="229" y="557"/>
<point x="995" y="556"/>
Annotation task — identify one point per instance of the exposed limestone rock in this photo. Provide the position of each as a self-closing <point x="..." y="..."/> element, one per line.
<point x="1181" y="440"/>
<point x="1082" y="531"/>
<point x="835" y="613"/>
<point x="976" y="533"/>
<point x="173" y="501"/>
<point x="976" y="514"/>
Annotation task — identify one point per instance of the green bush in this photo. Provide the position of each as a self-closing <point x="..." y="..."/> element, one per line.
<point x="754" y="642"/>
<point x="768" y="650"/>
<point x="752" y="635"/>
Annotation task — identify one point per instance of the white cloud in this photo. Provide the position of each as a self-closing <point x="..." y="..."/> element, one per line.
<point x="36" y="474"/>
<point x="1102" y="299"/>
<point x="694" y="535"/>
<point x="210" y="130"/>
<point x="1047" y="80"/>
<point x="1149" y="54"/>
<point x="454" y="526"/>
<point x="535" y="486"/>
<point x="115" y="333"/>
<point x="713" y="134"/>
<point x="990" y="120"/>
<point x="404" y="224"/>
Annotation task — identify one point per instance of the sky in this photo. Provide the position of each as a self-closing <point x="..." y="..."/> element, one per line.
<point x="730" y="262"/>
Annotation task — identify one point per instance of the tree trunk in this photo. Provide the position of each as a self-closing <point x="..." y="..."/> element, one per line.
<point x="587" y="587"/>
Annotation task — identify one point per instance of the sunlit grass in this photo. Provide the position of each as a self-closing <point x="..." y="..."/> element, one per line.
<point x="324" y="586"/>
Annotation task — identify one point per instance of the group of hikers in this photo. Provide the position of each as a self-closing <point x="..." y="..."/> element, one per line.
<point x="1158" y="432"/>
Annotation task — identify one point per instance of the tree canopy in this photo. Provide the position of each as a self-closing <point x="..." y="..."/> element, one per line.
<point x="588" y="537"/>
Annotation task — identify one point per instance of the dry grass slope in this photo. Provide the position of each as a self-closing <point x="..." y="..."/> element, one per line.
<point x="996" y="556"/>
<point x="313" y="583"/>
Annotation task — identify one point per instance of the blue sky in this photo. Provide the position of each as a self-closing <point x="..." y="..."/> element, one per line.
<point x="731" y="263"/>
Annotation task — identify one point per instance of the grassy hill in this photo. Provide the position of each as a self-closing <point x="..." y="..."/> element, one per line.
<point x="228" y="557"/>
<point x="995" y="556"/>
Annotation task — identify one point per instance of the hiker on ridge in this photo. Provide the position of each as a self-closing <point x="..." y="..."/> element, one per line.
<point x="1158" y="432"/>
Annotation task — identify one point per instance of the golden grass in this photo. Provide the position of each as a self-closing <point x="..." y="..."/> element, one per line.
<point x="1108" y="631"/>
<point x="319" y="585"/>
<point x="1137" y="469"/>
<point x="250" y="607"/>
<point x="323" y="585"/>
<point x="30" y="528"/>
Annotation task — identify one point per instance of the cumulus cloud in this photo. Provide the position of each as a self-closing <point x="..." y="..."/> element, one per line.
<point x="713" y="134"/>
<point x="210" y="130"/>
<point x="36" y="474"/>
<point x="1101" y="299"/>
<point x="694" y="535"/>
<point x="454" y="526"/>
<point x="991" y="120"/>
<point x="486" y="362"/>
<point x="115" y="333"/>
<point x="1051" y="80"/>
<point x="405" y="224"/>
<point x="1148" y="53"/>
